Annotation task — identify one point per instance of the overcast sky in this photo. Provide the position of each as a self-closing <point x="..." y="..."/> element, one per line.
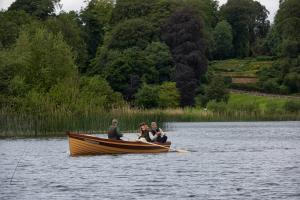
<point x="271" y="5"/>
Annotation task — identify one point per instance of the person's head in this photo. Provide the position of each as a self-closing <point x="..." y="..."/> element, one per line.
<point x="153" y="125"/>
<point x="143" y="126"/>
<point x="114" y="122"/>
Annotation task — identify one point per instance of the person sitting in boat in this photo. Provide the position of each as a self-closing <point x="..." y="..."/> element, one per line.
<point x="144" y="133"/>
<point x="114" y="131"/>
<point x="157" y="134"/>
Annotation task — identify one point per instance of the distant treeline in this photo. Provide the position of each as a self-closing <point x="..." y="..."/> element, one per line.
<point x="150" y="53"/>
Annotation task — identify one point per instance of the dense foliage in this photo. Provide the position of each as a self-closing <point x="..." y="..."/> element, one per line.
<point x="222" y="36"/>
<point x="249" y="22"/>
<point x="284" y="42"/>
<point x="151" y="53"/>
<point x="163" y="96"/>
<point x="37" y="8"/>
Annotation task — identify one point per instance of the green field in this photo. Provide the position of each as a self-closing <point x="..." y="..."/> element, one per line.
<point x="264" y="103"/>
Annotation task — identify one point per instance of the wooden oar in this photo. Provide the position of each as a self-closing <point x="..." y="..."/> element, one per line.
<point x="172" y="149"/>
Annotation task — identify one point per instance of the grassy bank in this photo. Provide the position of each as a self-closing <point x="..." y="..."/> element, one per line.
<point x="242" y="73"/>
<point x="240" y="107"/>
<point x="240" y="67"/>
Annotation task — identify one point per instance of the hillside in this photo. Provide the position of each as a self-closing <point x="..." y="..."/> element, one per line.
<point x="241" y="71"/>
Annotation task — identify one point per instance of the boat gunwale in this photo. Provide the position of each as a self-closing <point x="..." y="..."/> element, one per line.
<point x="119" y="142"/>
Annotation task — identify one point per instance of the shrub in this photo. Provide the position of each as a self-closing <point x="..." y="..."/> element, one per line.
<point x="147" y="96"/>
<point x="264" y="58"/>
<point x="283" y="89"/>
<point x="201" y="100"/>
<point x="39" y="60"/>
<point x="217" y="90"/>
<point x="97" y="92"/>
<point x="168" y="95"/>
<point x="292" y="81"/>
<point x="271" y="85"/>
<point x="292" y="106"/>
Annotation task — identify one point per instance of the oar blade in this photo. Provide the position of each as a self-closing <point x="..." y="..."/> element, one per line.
<point x="182" y="151"/>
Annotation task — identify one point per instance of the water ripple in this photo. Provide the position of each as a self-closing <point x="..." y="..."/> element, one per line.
<point x="227" y="161"/>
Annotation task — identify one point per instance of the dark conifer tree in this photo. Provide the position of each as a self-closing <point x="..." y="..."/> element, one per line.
<point x="183" y="32"/>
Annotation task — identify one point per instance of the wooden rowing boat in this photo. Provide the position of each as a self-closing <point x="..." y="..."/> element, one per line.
<point x="84" y="144"/>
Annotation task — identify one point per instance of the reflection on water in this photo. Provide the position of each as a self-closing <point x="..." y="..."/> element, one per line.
<point x="228" y="161"/>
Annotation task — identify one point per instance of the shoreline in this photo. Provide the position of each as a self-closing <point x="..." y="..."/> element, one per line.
<point x="166" y="125"/>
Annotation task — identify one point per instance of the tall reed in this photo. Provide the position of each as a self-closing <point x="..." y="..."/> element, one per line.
<point x="21" y="124"/>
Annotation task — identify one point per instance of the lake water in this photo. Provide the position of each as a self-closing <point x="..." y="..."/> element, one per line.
<point x="255" y="160"/>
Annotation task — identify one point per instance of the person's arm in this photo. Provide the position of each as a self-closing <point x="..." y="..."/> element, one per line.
<point x="139" y="133"/>
<point x="161" y="131"/>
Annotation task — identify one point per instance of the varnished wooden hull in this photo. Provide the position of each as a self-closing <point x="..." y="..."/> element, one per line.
<point x="83" y="144"/>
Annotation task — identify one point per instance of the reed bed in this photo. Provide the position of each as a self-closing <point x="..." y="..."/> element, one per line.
<point x="14" y="124"/>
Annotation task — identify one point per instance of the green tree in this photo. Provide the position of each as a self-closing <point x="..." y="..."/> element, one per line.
<point x="206" y="9"/>
<point x="287" y="19"/>
<point x="65" y="95"/>
<point x="10" y="26"/>
<point x="160" y="12"/>
<point x="68" y="24"/>
<point x="159" y="53"/>
<point x="273" y="41"/>
<point x="126" y="70"/>
<point x="168" y="95"/>
<point x="217" y="90"/>
<point x="248" y="19"/>
<point x="97" y="93"/>
<point x="260" y="48"/>
<point x="51" y="59"/>
<point x="39" y="60"/>
<point x="38" y="8"/>
<point x="283" y="41"/>
<point x="130" y="9"/>
<point x="96" y="17"/>
<point x="287" y="23"/>
<point x="147" y="96"/>
<point x="131" y="33"/>
<point x="126" y="58"/>
<point x="223" y="40"/>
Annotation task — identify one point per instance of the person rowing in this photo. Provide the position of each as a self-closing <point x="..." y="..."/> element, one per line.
<point x="114" y="131"/>
<point x="157" y="134"/>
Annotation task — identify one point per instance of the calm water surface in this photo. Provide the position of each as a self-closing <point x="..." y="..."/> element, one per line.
<point x="227" y="161"/>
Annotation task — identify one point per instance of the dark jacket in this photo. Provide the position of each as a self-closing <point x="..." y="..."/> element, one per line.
<point x="145" y="134"/>
<point x="114" y="133"/>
